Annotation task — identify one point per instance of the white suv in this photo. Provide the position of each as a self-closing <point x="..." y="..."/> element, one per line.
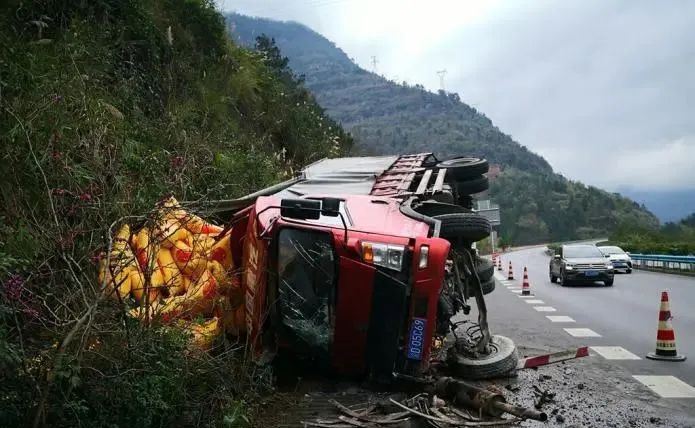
<point x="619" y="258"/>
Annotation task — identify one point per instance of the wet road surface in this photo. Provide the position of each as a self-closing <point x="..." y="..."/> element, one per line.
<point x="618" y="322"/>
<point x="624" y="315"/>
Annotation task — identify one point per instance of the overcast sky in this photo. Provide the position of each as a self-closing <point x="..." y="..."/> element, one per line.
<point x="604" y="90"/>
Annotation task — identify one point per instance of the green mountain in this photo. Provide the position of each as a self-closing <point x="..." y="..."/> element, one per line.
<point x="105" y="108"/>
<point x="386" y="117"/>
<point x="671" y="238"/>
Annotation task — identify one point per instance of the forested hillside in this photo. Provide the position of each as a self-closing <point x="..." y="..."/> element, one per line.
<point x="387" y="117"/>
<point x="549" y="208"/>
<point x="105" y="108"/>
<point x="676" y="238"/>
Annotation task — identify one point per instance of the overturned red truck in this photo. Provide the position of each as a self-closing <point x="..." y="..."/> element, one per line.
<point x="363" y="263"/>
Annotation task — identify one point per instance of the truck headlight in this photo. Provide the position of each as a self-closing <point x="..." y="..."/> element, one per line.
<point x="569" y="267"/>
<point x="385" y="255"/>
<point x="609" y="265"/>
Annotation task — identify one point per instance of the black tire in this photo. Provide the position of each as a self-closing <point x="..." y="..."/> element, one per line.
<point x="485" y="269"/>
<point x="488" y="286"/>
<point x="462" y="168"/>
<point x="463" y="227"/>
<point x="553" y="278"/>
<point x="501" y="362"/>
<point x="628" y="270"/>
<point x="609" y="282"/>
<point x="473" y="185"/>
<point x="432" y="209"/>
<point x="563" y="281"/>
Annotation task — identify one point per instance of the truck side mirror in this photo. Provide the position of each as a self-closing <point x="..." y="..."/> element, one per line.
<point x="302" y="209"/>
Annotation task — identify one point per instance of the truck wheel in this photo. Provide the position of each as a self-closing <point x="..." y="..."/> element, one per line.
<point x="501" y="361"/>
<point x="473" y="185"/>
<point x="462" y="167"/>
<point x="432" y="209"/>
<point x="628" y="270"/>
<point x="485" y="269"/>
<point x="468" y="227"/>
<point x="488" y="286"/>
<point x="609" y="282"/>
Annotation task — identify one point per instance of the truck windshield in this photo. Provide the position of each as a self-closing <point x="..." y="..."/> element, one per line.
<point x="306" y="285"/>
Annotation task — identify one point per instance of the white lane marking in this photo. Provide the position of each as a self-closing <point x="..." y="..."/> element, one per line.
<point x="560" y="318"/>
<point x="530" y="296"/>
<point x="615" y="353"/>
<point x="518" y="291"/>
<point x="667" y="386"/>
<point x="534" y="302"/>
<point x="544" y="308"/>
<point x="581" y="332"/>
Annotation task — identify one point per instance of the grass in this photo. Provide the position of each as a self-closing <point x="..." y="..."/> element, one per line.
<point x="106" y="107"/>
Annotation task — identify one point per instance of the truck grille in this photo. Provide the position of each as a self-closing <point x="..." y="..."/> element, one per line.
<point x="590" y="266"/>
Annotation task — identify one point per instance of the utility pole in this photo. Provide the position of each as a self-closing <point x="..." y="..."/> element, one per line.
<point x="374" y="63"/>
<point x="441" y="74"/>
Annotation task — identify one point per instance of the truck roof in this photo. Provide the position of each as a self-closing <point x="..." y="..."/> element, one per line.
<point x="389" y="176"/>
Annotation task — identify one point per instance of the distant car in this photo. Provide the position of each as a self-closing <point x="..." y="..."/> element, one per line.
<point x="619" y="258"/>
<point x="580" y="262"/>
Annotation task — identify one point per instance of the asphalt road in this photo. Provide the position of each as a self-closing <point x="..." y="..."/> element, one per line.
<point x="625" y="314"/>
<point x="623" y="317"/>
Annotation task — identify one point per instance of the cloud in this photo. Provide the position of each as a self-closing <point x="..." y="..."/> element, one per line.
<point x="665" y="166"/>
<point x="603" y="89"/>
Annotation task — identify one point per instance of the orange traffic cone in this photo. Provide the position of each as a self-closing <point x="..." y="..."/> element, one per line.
<point x="525" y="286"/>
<point x="510" y="275"/>
<point x="499" y="264"/>
<point x="665" y="337"/>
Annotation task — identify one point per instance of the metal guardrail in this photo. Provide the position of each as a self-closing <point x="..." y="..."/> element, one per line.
<point x="665" y="262"/>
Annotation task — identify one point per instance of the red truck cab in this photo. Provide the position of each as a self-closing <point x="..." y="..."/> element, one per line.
<point x="336" y="265"/>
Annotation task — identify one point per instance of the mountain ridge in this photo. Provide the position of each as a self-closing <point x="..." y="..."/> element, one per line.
<point x="325" y="66"/>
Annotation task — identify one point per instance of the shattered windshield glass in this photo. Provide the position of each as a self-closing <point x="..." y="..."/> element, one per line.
<point x="306" y="270"/>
